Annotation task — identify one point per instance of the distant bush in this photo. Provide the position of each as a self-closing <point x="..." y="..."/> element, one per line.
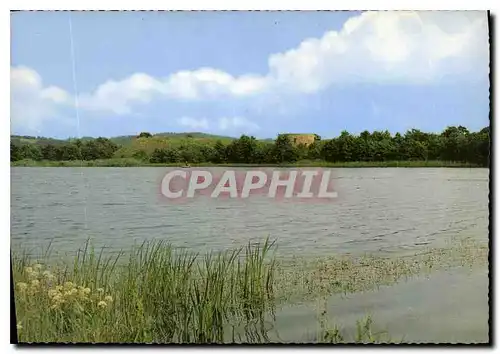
<point x="141" y="155"/>
<point x="454" y="144"/>
<point x="145" y="135"/>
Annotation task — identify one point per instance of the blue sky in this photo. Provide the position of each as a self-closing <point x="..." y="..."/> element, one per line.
<point x="259" y="73"/>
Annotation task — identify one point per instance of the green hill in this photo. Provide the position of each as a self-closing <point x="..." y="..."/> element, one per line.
<point x="131" y="145"/>
<point x="38" y="140"/>
<point x="120" y="140"/>
<point x="128" y="140"/>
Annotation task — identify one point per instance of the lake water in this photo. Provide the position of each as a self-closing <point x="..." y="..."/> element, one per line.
<point x="446" y="306"/>
<point x="378" y="210"/>
<point x="382" y="211"/>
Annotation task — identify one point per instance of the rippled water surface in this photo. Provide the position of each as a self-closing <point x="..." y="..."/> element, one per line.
<point x="377" y="210"/>
<point x="382" y="211"/>
<point x="442" y="307"/>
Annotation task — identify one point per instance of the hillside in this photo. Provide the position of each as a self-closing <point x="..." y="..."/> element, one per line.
<point x="125" y="140"/>
<point x="128" y="140"/>
<point x="38" y="140"/>
<point x="134" y="147"/>
<point x="454" y="144"/>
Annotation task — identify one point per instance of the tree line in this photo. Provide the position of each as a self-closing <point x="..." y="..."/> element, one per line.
<point x="100" y="148"/>
<point x="454" y="144"/>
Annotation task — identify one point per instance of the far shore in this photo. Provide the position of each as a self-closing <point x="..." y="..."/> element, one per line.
<point x="128" y="162"/>
<point x="93" y="297"/>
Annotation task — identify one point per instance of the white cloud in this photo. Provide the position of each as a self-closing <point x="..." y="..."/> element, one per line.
<point x="237" y="123"/>
<point x="118" y="96"/>
<point x="380" y="47"/>
<point x="194" y="123"/>
<point x="31" y="102"/>
<point x="374" y="47"/>
<point x="211" y="83"/>
<point x="404" y="47"/>
<point x="227" y="124"/>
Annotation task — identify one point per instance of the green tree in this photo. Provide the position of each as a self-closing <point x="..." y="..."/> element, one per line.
<point x="454" y="146"/>
<point x="15" y="153"/>
<point x="242" y="150"/>
<point x="219" y="152"/>
<point x="49" y="152"/>
<point x="330" y="150"/>
<point x="284" y="150"/>
<point x="140" y="155"/>
<point x="172" y="155"/>
<point x="345" y="147"/>
<point x="144" y="135"/>
<point x="68" y="152"/>
<point x="31" y="152"/>
<point x="158" y="156"/>
<point x="314" y="151"/>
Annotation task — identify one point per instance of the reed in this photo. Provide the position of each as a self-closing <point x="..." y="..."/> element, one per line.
<point x="158" y="294"/>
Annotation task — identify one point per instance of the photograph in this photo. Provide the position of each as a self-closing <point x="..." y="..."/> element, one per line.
<point x="251" y="177"/>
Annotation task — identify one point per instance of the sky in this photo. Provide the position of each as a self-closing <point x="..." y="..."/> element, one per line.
<point x="255" y="73"/>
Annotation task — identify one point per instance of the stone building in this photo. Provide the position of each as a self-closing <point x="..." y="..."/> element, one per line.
<point x="306" y="139"/>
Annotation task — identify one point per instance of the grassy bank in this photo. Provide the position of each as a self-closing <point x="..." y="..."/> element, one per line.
<point x="155" y="293"/>
<point x="131" y="162"/>
<point x="299" y="279"/>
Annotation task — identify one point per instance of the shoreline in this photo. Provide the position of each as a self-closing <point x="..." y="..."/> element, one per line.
<point x="126" y="162"/>
<point x="94" y="293"/>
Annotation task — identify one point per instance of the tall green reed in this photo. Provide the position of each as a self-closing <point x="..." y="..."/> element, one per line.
<point x="159" y="295"/>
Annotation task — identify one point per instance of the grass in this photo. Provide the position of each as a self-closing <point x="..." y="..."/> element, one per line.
<point x="119" y="162"/>
<point x="299" y="279"/>
<point x="364" y="333"/>
<point x="148" y="145"/>
<point x="132" y="162"/>
<point x="128" y="140"/>
<point x="157" y="294"/>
